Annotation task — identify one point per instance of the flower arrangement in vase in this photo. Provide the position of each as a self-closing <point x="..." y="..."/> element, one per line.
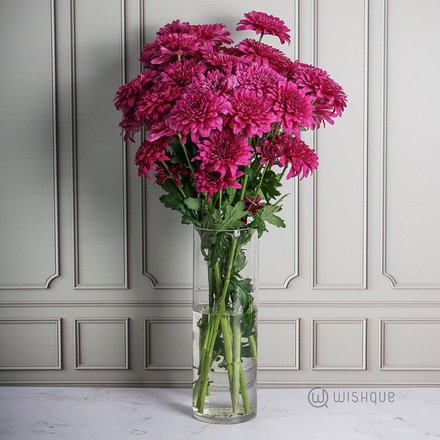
<point x="223" y="128"/>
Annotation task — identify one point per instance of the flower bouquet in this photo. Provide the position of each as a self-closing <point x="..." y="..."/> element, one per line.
<point x="223" y="126"/>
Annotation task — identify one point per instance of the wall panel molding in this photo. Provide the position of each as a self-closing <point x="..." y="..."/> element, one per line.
<point x="360" y="345"/>
<point x="414" y="344"/>
<point x="188" y="304"/>
<point x="30" y="252"/>
<point x="95" y="344"/>
<point x="30" y="344"/>
<point x="386" y="162"/>
<point x="93" y="244"/>
<point x="169" y="352"/>
<point x="363" y="156"/>
<point x="270" y="361"/>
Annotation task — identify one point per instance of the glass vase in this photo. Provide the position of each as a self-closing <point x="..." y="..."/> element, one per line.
<point x="225" y="269"/>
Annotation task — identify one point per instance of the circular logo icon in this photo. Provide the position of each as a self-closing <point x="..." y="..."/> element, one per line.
<point x="318" y="397"/>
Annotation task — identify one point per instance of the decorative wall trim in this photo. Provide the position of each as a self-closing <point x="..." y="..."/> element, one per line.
<point x="148" y="365"/>
<point x="79" y="364"/>
<point x="54" y="140"/>
<point x="53" y="128"/>
<point x="73" y="80"/>
<point x="261" y="384"/>
<point x="295" y="365"/>
<point x="362" y="322"/>
<point x="294" y="248"/>
<point x="384" y="217"/>
<point x="314" y="144"/>
<point x="186" y="304"/>
<point x="383" y="323"/>
<point x="37" y="321"/>
<point x="296" y="30"/>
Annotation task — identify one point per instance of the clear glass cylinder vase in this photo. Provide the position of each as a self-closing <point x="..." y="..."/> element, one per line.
<point x="225" y="276"/>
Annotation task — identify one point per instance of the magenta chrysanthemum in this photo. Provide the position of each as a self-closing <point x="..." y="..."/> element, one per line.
<point x="159" y="130"/>
<point x="174" y="27"/>
<point x="216" y="116"/>
<point x="221" y="61"/>
<point x="266" y="24"/>
<point x="258" y="78"/>
<point x="291" y="107"/>
<point x="173" y="45"/>
<point x="269" y="152"/>
<point x="212" y="182"/>
<point x="198" y="113"/>
<point x="148" y="154"/>
<point x="224" y="152"/>
<point x="328" y="97"/>
<point x="216" y="81"/>
<point x="129" y="93"/>
<point x="230" y="50"/>
<point x="181" y="73"/>
<point x="255" y="51"/>
<point x="129" y="126"/>
<point x="253" y="206"/>
<point x="173" y="170"/>
<point x="156" y="103"/>
<point x="151" y="51"/>
<point x="213" y="35"/>
<point x="250" y="114"/>
<point x="296" y="153"/>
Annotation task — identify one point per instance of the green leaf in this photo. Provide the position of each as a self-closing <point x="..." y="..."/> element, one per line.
<point x="230" y="191"/>
<point x="173" y="201"/>
<point x="241" y="292"/>
<point x="259" y="225"/>
<point x="270" y="185"/>
<point x="178" y="151"/>
<point x="193" y="204"/>
<point x="276" y="221"/>
<point x="233" y="216"/>
<point x="175" y="159"/>
<point x="239" y="262"/>
<point x="187" y="219"/>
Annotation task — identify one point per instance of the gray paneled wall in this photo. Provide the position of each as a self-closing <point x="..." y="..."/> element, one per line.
<point x="28" y="165"/>
<point x="95" y="273"/>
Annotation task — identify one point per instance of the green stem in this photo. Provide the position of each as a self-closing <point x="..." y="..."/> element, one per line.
<point x="261" y="181"/>
<point x="282" y="174"/>
<point x="211" y="288"/>
<point x="186" y="153"/>
<point x="253" y="345"/>
<point x="199" y="398"/>
<point x="243" y="389"/>
<point x="243" y="188"/>
<point x="236" y="335"/>
<point x="228" y="274"/>
<point x="169" y="173"/>
<point x="275" y="131"/>
<point x="206" y="357"/>
<point x="218" y="282"/>
<point x="227" y="343"/>
<point x="261" y="37"/>
<point x="220" y="200"/>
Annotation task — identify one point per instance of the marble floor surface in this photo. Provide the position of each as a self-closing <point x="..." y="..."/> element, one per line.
<point x="39" y="413"/>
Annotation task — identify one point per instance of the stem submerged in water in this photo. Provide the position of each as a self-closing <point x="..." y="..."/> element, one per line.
<point x="223" y="326"/>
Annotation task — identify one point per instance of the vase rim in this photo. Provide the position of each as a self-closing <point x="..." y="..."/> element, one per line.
<point x="223" y="230"/>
